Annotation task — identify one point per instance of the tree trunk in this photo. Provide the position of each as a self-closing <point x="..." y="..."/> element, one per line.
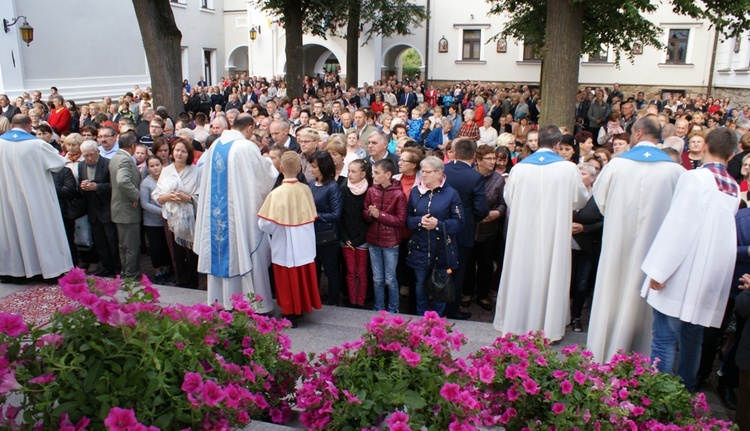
<point x="161" y="40"/>
<point x="352" y="44"/>
<point x="562" y="53"/>
<point x="293" y="49"/>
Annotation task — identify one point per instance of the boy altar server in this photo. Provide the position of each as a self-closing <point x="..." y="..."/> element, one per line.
<point x="690" y="263"/>
<point x="288" y="215"/>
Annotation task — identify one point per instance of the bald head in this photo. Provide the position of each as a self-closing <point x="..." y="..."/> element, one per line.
<point x="646" y="129"/>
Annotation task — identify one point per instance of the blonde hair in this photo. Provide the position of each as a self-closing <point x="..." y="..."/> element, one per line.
<point x="505" y="139"/>
<point x="309" y="133"/>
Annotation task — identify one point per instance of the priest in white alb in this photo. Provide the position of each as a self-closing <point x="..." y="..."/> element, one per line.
<point x="633" y="193"/>
<point x="231" y="248"/>
<point x="541" y="193"/>
<point x="288" y="216"/>
<point x="32" y="235"/>
<point x="690" y="264"/>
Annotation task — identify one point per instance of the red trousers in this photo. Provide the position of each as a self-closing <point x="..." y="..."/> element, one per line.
<point x="356" y="274"/>
<point x="296" y="288"/>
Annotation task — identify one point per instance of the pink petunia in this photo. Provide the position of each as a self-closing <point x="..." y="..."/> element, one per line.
<point x="412" y="358"/>
<point x="579" y="377"/>
<point x="212" y="393"/>
<point x="559" y="374"/>
<point x="449" y="391"/>
<point x="486" y="374"/>
<point x="43" y="379"/>
<point x="9" y="383"/>
<point x="12" y="325"/>
<point x="120" y="419"/>
<point x="55" y="340"/>
<point x="558" y="408"/>
<point x="531" y="387"/>
<point x="513" y="393"/>
<point x="566" y="387"/>
<point x="193" y="382"/>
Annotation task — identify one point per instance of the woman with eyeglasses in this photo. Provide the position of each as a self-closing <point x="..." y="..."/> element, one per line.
<point x="435" y="215"/>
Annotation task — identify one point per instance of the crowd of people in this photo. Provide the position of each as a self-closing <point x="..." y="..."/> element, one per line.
<point x="393" y="188"/>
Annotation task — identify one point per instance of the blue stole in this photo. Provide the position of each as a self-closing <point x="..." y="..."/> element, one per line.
<point x="646" y="153"/>
<point x="219" y="212"/>
<point x="543" y="158"/>
<point x="17" y="135"/>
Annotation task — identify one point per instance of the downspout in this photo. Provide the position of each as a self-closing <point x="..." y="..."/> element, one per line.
<point x="427" y="49"/>
<point x="709" y="90"/>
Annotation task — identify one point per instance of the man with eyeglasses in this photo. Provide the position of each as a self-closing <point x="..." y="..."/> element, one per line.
<point x="107" y="139"/>
<point x="32" y="234"/>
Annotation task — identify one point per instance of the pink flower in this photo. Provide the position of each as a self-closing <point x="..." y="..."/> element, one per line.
<point x="559" y="374"/>
<point x="120" y="318"/>
<point x="212" y="393"/>
<point x="67" y="425"/>
<point x="55" y="340"/>
<point x="486" y="374"/>
<point x="9" y="383"/>
<point x="120" y="419"/>
<point x="351" y="399"/>
<point x="43" y="379"/>
<point x="531" y="387"/>
<point x="226" y="317"/>
<point x="541" y="361"/>
<point x="638" y="411"/>
<point x="193" y="382"/>
<point x="579" y="377"/>
<point x="449" y="391"/>
<point x="623" y="393"/>
<point x="398" y="420"/>
<point x="513" y="393"/>
<point x="566" y="387"/>
<point x="645" y="401"/>
<point x="412" y="358"/>
<point x="558" y="408"/>
<point x="569" y="350"/>
<point x="12" y="325"/>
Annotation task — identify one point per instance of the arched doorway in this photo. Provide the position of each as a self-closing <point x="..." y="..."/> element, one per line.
<point x="317" y="59"/>
<point x="393" y="60"/>
<point x="238" y="60"/>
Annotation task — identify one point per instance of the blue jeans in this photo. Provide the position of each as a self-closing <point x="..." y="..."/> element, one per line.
<point x="423" y="297"/>
<point x="384" y="261"/>
<point x="667" y="332"/>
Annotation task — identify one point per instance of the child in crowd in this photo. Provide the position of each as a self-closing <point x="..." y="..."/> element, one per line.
<point x="385" y="209"/>
<point x="354" y="230"/>
<point x="415" y="125"/>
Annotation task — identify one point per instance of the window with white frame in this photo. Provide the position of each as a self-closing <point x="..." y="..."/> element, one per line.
<point x="207" y="4"/>
<point x="600" y="56"/>
<point x="677" y="45"/>
<point x="181" y="2"/>
<point x="530" y="52"/>
<point x="472" y="44"/>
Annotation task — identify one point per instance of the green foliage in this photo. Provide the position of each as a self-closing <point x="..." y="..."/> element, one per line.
<point x="411" y="62"/>
<point x="617" y="23"/>
<point x="389" y="17"/>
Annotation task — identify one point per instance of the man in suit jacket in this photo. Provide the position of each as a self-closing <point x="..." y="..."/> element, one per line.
<point x="363" y="129"/>
<point x="408" y="99"/>
<point x="279" y="130"/>
<point x="8" y="110"/>
<point x="440" y="135"/>
<point x="126" y="207"/>
<point x="469" y="184"/>
<point x="93" y="177"/>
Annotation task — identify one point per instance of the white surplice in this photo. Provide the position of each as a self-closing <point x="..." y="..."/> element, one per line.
<point x="694" y="252"/>
<point x="634" y="197"/>
<point x="534" y="288"/>
<point x="32" y="235"/>
<point x="231" y="248"/>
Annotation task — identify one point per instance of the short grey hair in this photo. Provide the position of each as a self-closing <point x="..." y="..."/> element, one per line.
<point x="674" y="142"/>
<point x="89" y="145"/>
<point x="588" y="167"/>
<point x="468" y="113"/>
<point x="432" y="162"/>
<point x="186" y="133"/>
<point x="743" y="123"/>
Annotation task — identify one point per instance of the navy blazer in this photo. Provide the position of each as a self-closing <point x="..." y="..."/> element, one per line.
<point x="470" y="187"/>
<point x="435" y="138"/>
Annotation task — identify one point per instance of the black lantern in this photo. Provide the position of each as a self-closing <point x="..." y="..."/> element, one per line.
<point x="27" y="31"/>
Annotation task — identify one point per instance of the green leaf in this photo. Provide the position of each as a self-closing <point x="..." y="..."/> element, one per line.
<point x="414" y="400"/>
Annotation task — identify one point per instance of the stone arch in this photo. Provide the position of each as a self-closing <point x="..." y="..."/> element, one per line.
<point x="391" y="61"/>
<point x="238" y="60"/>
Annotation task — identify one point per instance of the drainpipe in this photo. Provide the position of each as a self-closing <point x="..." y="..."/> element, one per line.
<point x="427" y="48"/>
<point x="710" y="89"/>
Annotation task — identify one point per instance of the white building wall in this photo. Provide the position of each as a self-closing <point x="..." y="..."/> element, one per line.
<point x="733" y="68"/>
<point x="202" y="29"/>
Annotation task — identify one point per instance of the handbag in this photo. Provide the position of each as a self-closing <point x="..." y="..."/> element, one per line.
<point x="440" y="284"/>
<point x="326" y="236"/>
<point x="82" y="235"/>
<point x="77" y="206"/>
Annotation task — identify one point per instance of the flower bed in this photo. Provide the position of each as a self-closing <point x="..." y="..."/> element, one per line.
<point x="119" y="364"/>
<point x="137" y="365"/>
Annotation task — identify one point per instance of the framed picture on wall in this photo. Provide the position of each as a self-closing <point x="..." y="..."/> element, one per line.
<point x="443" y="45"/>
<point x="502" y="45"/>
<point x="637" y="47"/>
